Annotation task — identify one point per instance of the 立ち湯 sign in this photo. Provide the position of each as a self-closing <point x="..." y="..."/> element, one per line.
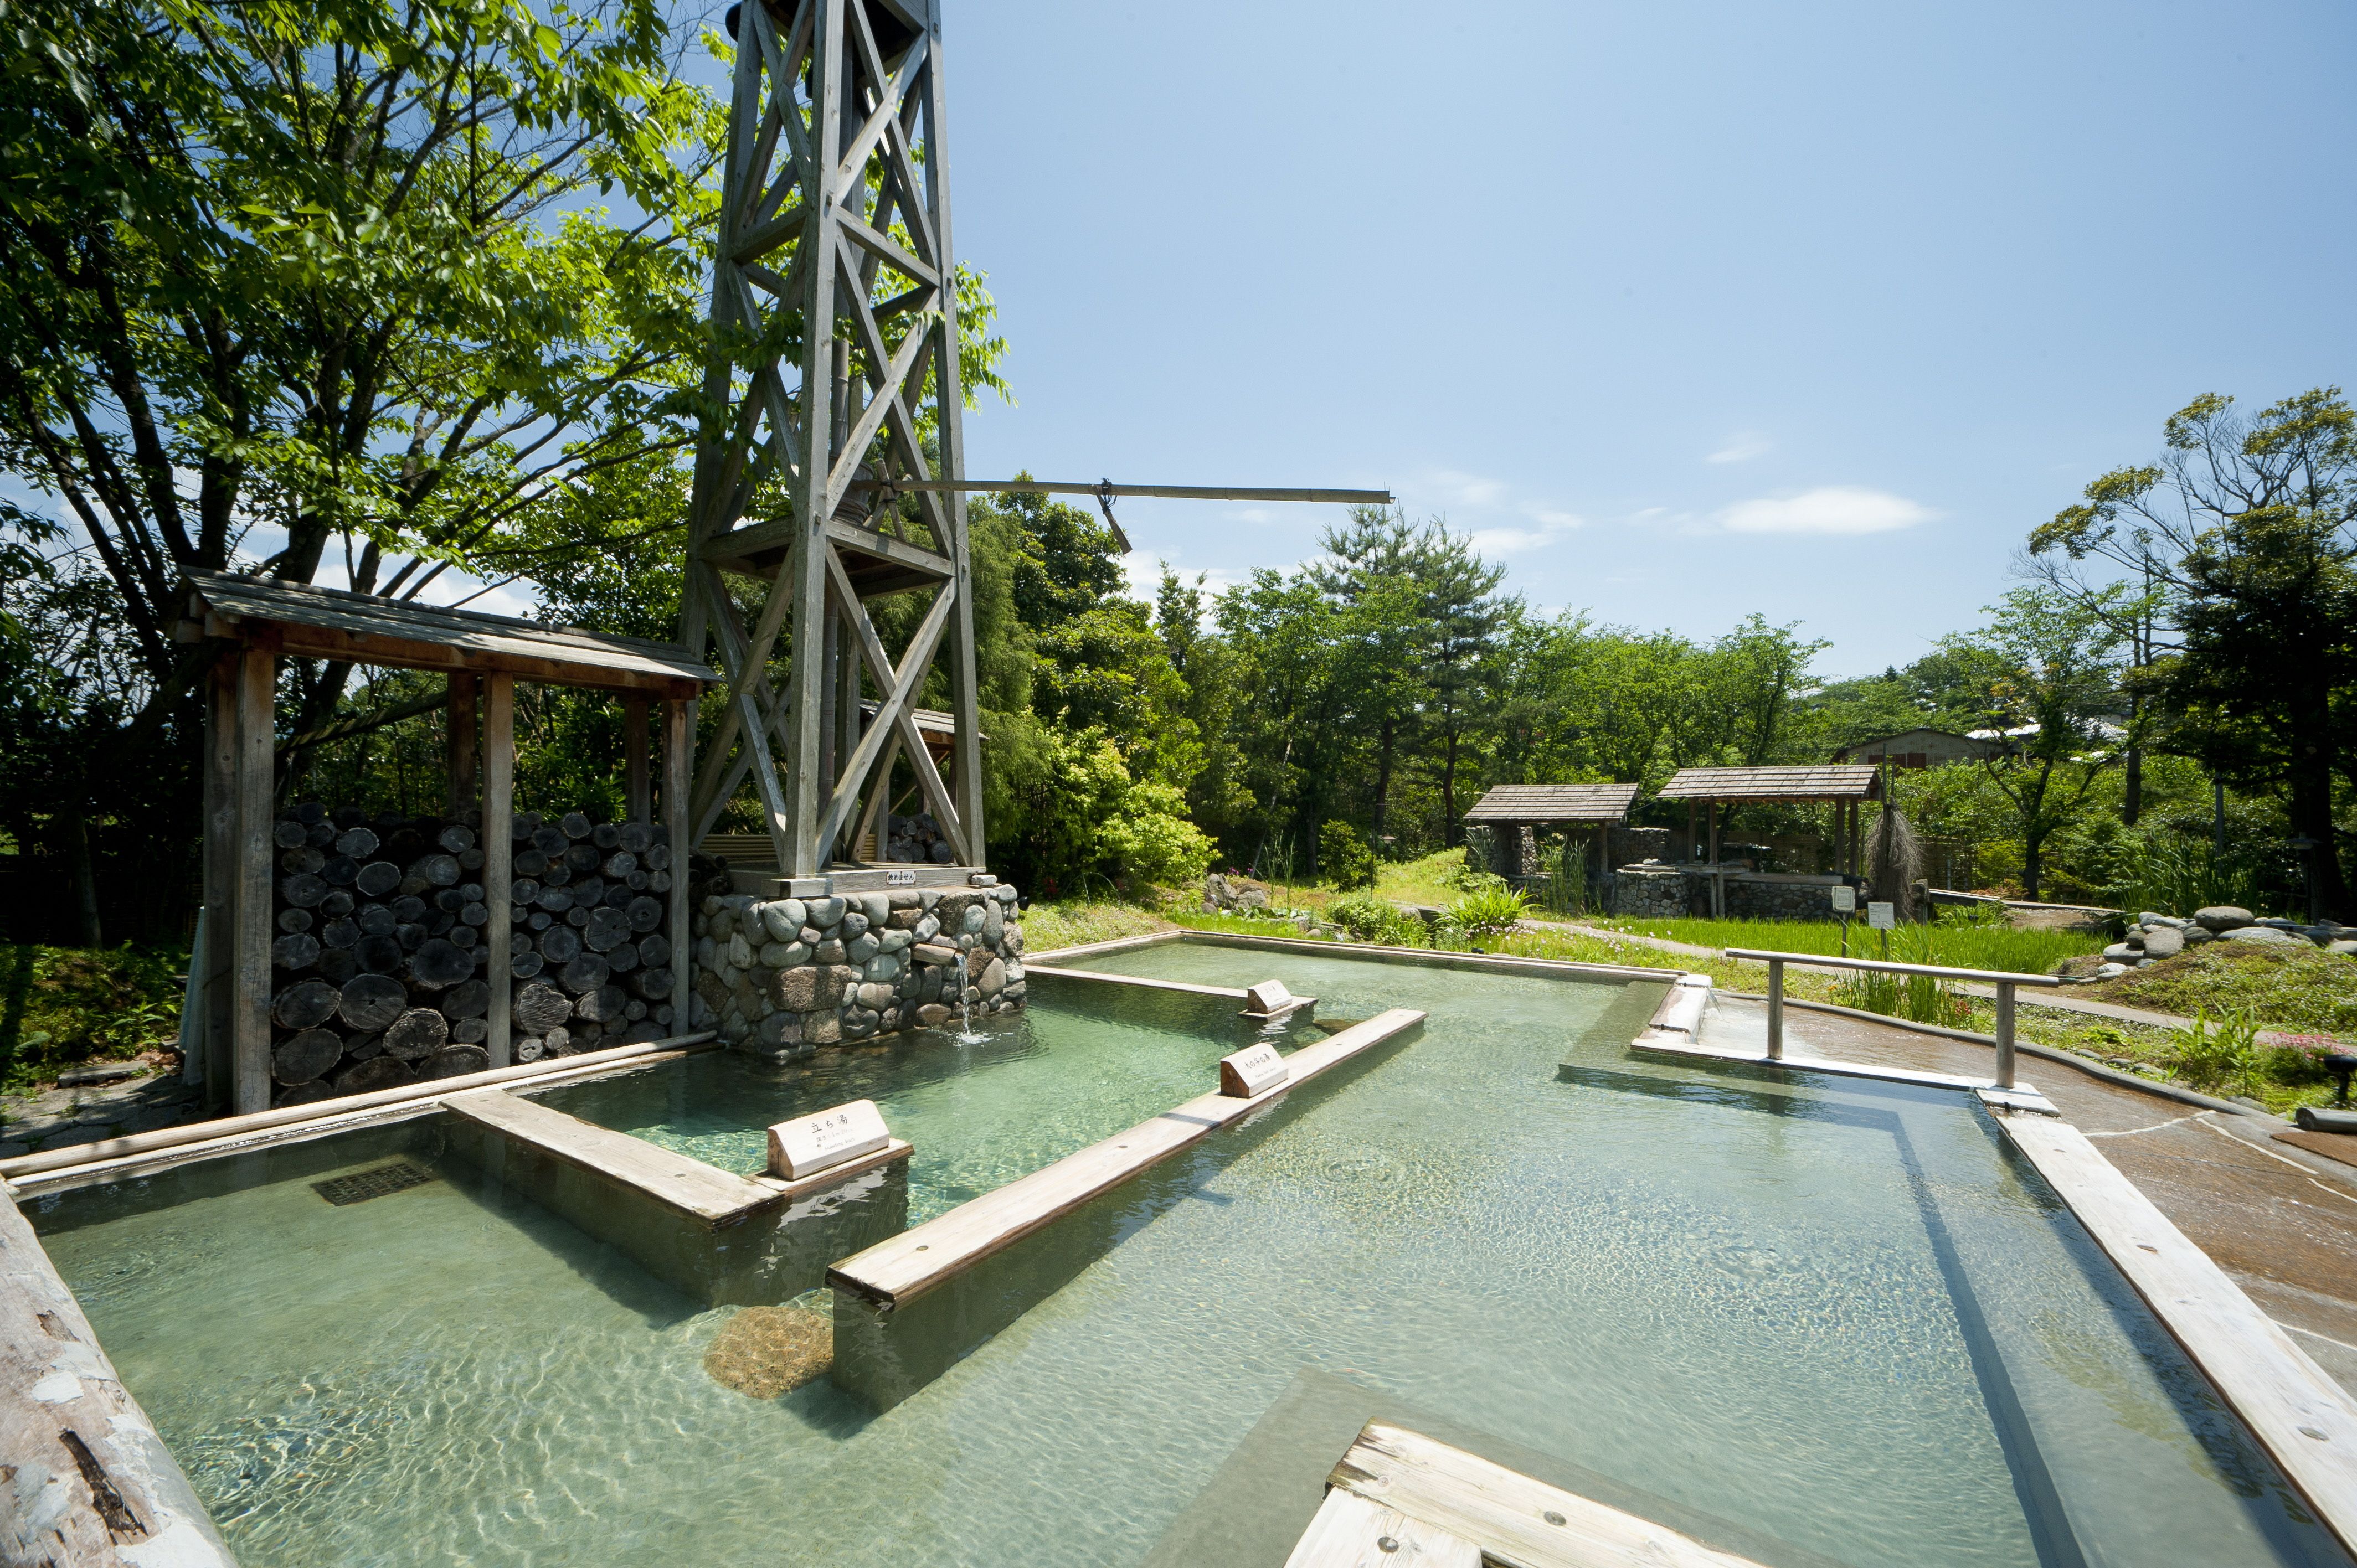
<point x="1880" y="916"/>
<point x="1845" y="899"/>
<point x="1251" y="1071"/>
<point x="808" y="1145"/>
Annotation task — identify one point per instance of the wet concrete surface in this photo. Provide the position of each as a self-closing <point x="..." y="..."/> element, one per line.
<point x="2281" y="1220"/>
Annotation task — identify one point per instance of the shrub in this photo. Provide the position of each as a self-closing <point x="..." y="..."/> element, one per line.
<point x="2212" y="1061"/>
<point x="1149" y="839"/>
<point x="1371" y="920"/>
<point x="1491" y="912"/>
<point x="1344" y="856"/>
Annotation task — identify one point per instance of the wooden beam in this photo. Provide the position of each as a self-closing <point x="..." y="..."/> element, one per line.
<point x="2304" y="1418"/>
<point x="257" y="852"/>
<point x="679" y="744"/>
<point x="499" y="859"/>
<point x="463" y="757"/>
<point x="91" y="1483"/>
<point x="1351" y="1533"/>
<point x="703" y="1193"/>
<point x="221" y="880"/>
<point x="638" y="785"/>
<point x="894" y="1273"/>
<point x="1514" y="1521"/>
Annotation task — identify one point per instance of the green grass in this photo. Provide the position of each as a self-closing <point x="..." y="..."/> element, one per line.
<point x="1074" y="923"/>
<point x="1961" y="946"/>
<point x="60" y="1006"/>
<point x="1424" y="881"/>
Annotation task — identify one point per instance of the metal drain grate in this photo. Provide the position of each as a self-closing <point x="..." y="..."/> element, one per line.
<point x="363" y="1186"/>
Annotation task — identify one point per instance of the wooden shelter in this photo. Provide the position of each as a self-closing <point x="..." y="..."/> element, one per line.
<point x="1513" y="807"/>
<point x="1847" y="786"/>
<point x="257" y="621"/>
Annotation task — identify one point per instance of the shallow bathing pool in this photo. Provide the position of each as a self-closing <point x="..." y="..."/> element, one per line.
<point x="1814" y="1322"/>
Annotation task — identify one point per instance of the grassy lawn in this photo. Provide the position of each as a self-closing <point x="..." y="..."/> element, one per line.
<point x="2300" y="990"/>
<point x="1959" y="946"/>
<point x="1074" y="923"/>
<point x="63" y="1006"/>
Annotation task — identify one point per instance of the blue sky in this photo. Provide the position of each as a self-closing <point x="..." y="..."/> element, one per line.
<point x="1685" y="310"/>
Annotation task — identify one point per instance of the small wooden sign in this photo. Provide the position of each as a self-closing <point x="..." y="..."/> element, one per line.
<point x="899" y="879"/>
<point x="808" y="1145"/>
<point x="1845" y="899"/>
<point x="1250" y="1071"/>
<point x="1880" y="916"/>
<point x="1268" y="996"/>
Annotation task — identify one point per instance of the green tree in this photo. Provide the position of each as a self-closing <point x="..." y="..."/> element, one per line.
<point x="2059" y="675"/>
<point x="2245" y="533"/>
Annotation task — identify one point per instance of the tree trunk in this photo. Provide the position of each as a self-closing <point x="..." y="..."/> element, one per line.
<point x="2032" y="852"/>
<point x="2132" y="791"/>
<point x="1383" y="778"/>
<point x="1451" y="832"/>
<point x="73" y="828"/>
<point x="2311" y="815"/>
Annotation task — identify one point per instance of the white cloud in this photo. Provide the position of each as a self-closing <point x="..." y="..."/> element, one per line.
<point x="1507" y="540"/>
<point x="1831" y="509"/>
<point x="1740" y="447"/>
<point x="1459" y="490"/>
<point x="1253" y="514"/>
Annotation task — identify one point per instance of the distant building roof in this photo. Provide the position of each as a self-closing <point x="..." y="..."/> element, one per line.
<point x="1838" y="781"/>
<point x="1554" y="804"/>
<point x="1922" y="738"/>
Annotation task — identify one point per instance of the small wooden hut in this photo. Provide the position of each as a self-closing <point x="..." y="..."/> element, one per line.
<point x="1510" y="808"/>
<point x="1846" y="786"/>
<point x="257" y="621"/>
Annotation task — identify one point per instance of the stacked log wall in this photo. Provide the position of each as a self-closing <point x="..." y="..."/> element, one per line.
<point x="380" y="965"/>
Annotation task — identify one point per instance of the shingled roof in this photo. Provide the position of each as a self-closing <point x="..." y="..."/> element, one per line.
<point x="1554" y="804"/>
<point x="368" y="629"/>
<point x="1846" y="781"/>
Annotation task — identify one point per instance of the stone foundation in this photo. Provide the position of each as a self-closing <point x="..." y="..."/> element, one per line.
<point x="779" y="978"/>
<point x="1656" y="890"/>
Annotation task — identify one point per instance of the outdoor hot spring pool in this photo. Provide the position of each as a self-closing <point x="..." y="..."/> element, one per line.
<point x="1822" y="1321"/>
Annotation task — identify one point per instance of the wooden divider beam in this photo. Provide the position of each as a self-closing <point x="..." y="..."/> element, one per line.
<point x="897" y="1271"/>
<point x="677" y="1181"/>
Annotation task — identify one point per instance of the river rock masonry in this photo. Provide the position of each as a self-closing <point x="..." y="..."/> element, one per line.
<point x="779" y="978"/>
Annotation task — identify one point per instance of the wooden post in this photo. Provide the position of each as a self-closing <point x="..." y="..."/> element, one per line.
<point x="465" y="765"/>
<point x="1775" y="1009"/>
<point x="679" y="738"/>
<point x="257" y="685"/>
<point x="498" y="858"/>
<point x="639" y="783"/>
<point x="220" y="878"/>
<point x="2005" y="1034"/>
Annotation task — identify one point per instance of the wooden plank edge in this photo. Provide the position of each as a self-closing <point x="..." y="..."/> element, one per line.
<point x="1664" y="1044"/>
<point x="1349" y="1532"/>
<point x="1515" y="1520"/>
<point x="897" y="1149"/>
<point x="294" y="1122"/>
<point x="2292" y="1408"/>
<point x="486" y="1108"/>
<point x="89" y="1480"/>
<point x="1202" y="1116"/>
<point x="1224" y="992"/>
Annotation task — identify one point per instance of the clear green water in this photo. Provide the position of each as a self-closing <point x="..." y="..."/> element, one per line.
<point x="1078" y="1064"/>
<point x="1832" y="1313"/>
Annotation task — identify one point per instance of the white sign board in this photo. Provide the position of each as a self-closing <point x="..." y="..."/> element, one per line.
<point x="1845" y="899"/>
<point x="1880" y="916"/>
<point x="808" y="1145"/>
<point x="899" y="879"/>
<point x="1251" y="1071"/>
<point x="1268" y="996"/>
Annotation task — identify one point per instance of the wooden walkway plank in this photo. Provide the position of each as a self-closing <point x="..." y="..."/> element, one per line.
<point x="894" y="1273"/>
<point x="706" y="1192"/>
<point x="2298" y="1414"/>
<point x="1513" y="1519"/>
<point x="1351" y="1532"/>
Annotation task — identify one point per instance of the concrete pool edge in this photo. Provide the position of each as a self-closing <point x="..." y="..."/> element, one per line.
<point x="2290" y="1406"/>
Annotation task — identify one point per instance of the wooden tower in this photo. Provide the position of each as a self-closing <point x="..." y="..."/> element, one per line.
<point x="835" y="305"/>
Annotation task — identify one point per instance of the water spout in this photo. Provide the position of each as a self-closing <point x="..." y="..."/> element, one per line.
<point x="966" y="1036"/>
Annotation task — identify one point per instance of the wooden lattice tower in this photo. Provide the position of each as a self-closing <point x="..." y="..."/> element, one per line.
<point x="834" y="225"/>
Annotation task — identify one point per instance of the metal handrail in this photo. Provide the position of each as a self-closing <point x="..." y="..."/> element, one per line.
<point x="2002" y="980"/>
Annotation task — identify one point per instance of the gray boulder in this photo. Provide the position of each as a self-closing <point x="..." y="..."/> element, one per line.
<point x="2163" y="941"/>
<point x="2259" y="936"/>
<point x="2222" y="918"/>
<point x="2120" y="952"/>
